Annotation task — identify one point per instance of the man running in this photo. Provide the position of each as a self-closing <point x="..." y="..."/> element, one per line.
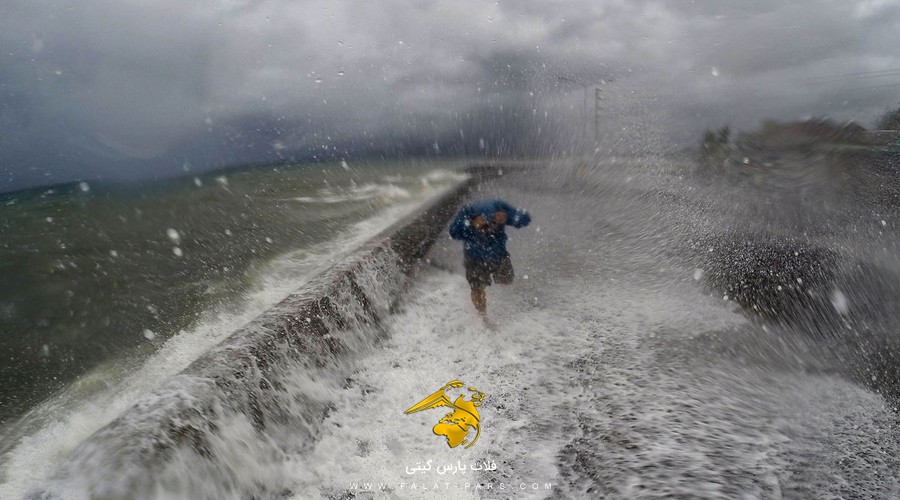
<point x="481" y="226"/>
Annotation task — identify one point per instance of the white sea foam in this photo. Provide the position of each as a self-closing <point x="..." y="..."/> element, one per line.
<point x="392" y="188"/>
<point x="379" y="193"/>
<point x="444" y="176"/>
<point x="524" y="367"/>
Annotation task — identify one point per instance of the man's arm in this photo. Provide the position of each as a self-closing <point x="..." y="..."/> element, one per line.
<point x="515" y="217"/>
<point x="461" y="227"/>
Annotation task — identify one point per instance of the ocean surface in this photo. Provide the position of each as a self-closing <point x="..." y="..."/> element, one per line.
<point x="99" y="283"/>
<point x="667" y="335"/>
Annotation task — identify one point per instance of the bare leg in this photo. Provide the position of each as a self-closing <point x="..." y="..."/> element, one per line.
<point x="479" y="299"/>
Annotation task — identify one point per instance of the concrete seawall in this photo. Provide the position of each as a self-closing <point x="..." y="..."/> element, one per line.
<point x="263" y="377"/>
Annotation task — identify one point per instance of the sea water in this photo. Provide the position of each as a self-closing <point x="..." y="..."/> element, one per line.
<point x="107" y="289"/>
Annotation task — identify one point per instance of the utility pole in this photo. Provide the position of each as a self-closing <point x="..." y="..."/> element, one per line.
<point x="584" y="124"/>
<point x="584" y="121"/>
<point x="597" y="100"/>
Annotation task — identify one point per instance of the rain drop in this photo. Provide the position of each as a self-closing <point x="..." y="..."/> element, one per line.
<point x="173" y="235"/>
<point x="839" y="301"/>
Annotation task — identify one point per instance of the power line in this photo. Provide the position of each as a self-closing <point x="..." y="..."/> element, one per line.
<point x="878" y="86"/>
<point x="852" y="76"/>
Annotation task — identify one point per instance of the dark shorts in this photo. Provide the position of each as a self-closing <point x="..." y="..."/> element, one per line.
<point x="480" y="273"/>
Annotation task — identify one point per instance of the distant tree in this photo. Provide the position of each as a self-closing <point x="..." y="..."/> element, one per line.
<point x="716" y="143"/>
<point x="724" y="135"/>
<point x="890" y="120"/>
<point x="709" y="142"/>
<point x="769" y="126"/>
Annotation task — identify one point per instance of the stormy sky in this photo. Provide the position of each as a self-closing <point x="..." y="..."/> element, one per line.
<point x="125" y="89"/>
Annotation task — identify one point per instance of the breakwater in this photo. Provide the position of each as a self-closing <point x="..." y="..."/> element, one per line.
<point x="229" y="413"/>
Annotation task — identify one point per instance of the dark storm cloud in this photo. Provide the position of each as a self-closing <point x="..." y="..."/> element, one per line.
<point x="126" y="88"/>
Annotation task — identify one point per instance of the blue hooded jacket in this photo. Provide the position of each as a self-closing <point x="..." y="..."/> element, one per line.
<point x="487" y="244"/>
